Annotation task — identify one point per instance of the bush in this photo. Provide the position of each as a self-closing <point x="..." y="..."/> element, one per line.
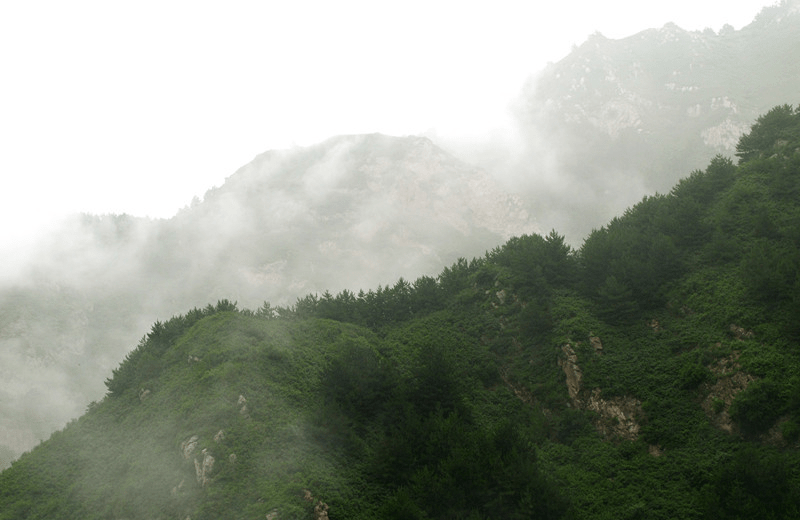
<point x="693" y="375"/>
<point x="752" y="484"/>
<point x="790" y="431"/>
<point x="758" y="407"/>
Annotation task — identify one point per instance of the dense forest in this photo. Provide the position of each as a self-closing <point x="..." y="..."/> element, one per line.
<point x="651" y="373"/>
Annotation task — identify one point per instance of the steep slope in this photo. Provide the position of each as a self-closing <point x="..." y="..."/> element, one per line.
<point x="349" y="213"/>
<point x="618" y="118"/>
<point x="649" y="374"/>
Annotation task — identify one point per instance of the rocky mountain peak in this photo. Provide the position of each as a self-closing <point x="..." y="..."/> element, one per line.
<point x="648" y="109"/>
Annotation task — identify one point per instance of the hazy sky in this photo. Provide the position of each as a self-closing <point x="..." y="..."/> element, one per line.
<point x="110" y="106"/>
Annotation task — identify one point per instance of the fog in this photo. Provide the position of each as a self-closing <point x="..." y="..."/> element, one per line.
<point x="137" y="109"/>
<point x="353" y="212"/>
<point x="152" y="130"/>
<point x="619" y="119"/>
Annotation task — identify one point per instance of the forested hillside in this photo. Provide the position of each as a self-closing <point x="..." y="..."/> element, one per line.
<point x="651" y="373"/>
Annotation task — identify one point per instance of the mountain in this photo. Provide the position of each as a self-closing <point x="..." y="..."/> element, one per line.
<point x="651" y="373"/>
<point x="352" y="212"/>
<point x="349" y="213"/>
<point x="614" y="120"/>
<point x="619" y="118"/>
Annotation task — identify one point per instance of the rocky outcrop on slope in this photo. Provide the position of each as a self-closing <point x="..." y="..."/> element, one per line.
<point x="616" y="416"/>
<point x="730" y="380"/>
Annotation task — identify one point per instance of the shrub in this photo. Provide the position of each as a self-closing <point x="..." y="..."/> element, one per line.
<point x="756" y="408"/>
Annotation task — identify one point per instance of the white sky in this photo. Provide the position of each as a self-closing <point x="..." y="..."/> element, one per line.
<point x="111" y="106"/>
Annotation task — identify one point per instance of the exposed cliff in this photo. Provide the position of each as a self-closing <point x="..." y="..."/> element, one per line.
<point x="617" y="417"/>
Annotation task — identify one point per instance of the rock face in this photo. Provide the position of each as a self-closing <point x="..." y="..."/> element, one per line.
<point x="203" y="468"/>
<point x="144" y="393"/>
<point x="740" y="332"/>
<point x="597" y="345"/>
<point x="189" y="446"/>
<point x="619" y="118"/>
<point x="569" y="364"/>
<point x="320" y="507"/>
<point x="617" y="416"/>
<point x="203" y="464"/>
<point x="242" y="405"/>
<point x="730" y="381"/>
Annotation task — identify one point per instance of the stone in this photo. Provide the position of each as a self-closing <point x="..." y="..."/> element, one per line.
<point x="729" y="381"/>
<point x="203" y="469"/>
<point x="740" y="332"/>
<point x="655" y="450"/>
<point x="144" y="393"/>
<point x="189" y="445"/>
<point x="569" y="364"/>
<point x="177" y="489"/>
<point x="321" y="511"/>
<point x="617" y="417"/>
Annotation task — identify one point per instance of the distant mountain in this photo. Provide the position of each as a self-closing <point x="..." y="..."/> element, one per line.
<point x="616" y="119"/>
<point x="349" y="213"/>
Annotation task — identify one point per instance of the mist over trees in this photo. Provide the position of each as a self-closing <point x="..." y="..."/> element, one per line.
<point x="352" y="212"/>
<point x="649" y="373"/>
<point x="356" y="213"/>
